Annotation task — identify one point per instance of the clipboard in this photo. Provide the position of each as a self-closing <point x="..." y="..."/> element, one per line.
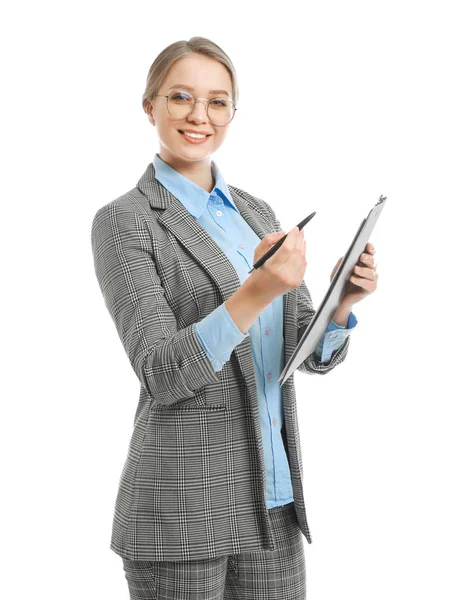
<point x="321" y="319"/>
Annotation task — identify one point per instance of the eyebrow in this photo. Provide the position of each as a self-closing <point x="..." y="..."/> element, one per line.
<point x="187" y="87"/>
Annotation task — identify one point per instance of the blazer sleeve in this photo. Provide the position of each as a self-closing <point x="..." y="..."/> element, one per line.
<point x="305" y="313"/>
<point x="170" y="363"/>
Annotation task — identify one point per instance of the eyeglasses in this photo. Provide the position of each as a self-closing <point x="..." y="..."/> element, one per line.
<point x="220" y="111"/>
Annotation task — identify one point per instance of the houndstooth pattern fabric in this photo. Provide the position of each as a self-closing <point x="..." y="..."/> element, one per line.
<point x="193" y="483"/>
<point x="270" y="575"/>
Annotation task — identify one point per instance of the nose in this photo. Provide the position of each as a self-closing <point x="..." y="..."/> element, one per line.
<point x="200" y="112"/>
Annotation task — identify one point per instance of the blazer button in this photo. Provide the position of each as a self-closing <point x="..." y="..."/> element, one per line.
<point x="274" y="421"/>
<point x="267" y="331"/>
<point x="269" y="376"/>
<point x="242" y="245"/>
<point x="219" y="213"/>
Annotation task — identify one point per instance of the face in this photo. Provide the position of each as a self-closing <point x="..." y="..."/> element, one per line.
<point x="202" y="74"/>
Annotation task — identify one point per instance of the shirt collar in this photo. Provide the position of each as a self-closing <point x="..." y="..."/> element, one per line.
<point x="191" y="195"/>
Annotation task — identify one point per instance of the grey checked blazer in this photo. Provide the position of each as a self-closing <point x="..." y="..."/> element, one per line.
<point x="193" y="483"/>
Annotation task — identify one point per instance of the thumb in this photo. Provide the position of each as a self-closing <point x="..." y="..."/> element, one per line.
<point x="271" y="238"/>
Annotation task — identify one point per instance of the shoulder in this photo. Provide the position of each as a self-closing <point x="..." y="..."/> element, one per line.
<point x="125" y="216"/>
<point x="132" y="202"/>
<point x="253" y="201"/>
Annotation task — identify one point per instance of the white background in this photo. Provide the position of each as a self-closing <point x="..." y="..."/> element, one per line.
<point x="381" y="95"/>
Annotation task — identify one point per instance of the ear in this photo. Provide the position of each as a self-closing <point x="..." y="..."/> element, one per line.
<point x="148" y="110"/>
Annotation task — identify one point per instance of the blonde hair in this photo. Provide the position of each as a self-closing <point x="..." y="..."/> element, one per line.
<point x="181" y="49"/>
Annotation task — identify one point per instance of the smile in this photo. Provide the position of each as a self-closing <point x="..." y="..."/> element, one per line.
<point x="194" y="138"/>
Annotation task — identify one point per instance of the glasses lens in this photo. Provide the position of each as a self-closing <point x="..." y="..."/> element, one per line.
<point x="180" y="104"/>
<point x="220" y="110"/>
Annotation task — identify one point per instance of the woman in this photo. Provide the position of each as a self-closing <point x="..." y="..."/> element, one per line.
<point x="210" y="502"/>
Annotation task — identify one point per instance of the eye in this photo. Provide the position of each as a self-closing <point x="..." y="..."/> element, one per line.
<point x="181" y="96"/>
<point x="218" y="102"/>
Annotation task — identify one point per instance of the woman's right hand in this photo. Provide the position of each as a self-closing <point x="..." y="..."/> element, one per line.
<point x="285" y="270"/>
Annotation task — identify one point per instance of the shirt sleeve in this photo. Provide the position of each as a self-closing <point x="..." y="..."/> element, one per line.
<point x="219" y="335"/>
<point x="333" y="338"/>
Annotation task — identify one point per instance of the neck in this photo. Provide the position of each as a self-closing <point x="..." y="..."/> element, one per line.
<point x="197" y="171"/>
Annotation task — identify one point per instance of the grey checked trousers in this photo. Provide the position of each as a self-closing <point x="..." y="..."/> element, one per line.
<point x="268" y="575"/>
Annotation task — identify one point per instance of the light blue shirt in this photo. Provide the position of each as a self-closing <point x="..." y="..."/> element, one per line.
<point x="219" y="335"/>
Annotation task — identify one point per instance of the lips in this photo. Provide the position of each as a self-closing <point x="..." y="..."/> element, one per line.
<point x="194" y="140"/>
<point x="200" y="132"/>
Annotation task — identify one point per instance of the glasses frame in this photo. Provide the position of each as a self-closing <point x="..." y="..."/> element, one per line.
<point x="205" y="100"/>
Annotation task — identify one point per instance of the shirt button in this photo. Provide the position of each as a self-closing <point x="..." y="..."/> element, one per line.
<point x="242" y="245"/>
<point x="267" y="331"/>
<point x="274" y="421"/>
<point x="269" y="376"/>
<point x="219" y="213"/>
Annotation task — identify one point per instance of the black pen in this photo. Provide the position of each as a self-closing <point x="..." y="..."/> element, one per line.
<point x="278" y="244"/>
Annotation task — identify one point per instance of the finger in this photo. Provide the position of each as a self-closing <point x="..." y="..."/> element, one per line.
<point x="300" y="241"/>
<point x="370" y="248"/>
<point x="293" y="237"/>
<point x="299" y="245"/>
<point x="367" y="259"/>
<point x="336" y="267"/>
<point x="287" y="247"/>
<point x="366" y="284"/>
<point x="365" y="272"/>
<point x="273" y="238"/>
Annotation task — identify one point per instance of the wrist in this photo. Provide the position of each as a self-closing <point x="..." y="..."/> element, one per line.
<point x="246" y="304"/>
<point x="341" y="316"/>
<point x="257" y="290"/>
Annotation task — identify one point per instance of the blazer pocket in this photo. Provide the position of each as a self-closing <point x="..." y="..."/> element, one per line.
<point x="215" y="394"/>
<point x="209" y="397"/>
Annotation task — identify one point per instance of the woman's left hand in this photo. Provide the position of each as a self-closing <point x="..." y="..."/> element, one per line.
<point x="364" y="277"/>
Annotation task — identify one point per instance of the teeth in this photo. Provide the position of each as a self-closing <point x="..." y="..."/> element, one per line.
<point x="194" y="135"/>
